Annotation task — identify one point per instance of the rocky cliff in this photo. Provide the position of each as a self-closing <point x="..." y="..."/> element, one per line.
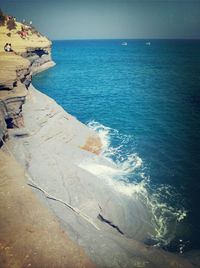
<point x="51" y="183"/>
<point x="31" y="54"/>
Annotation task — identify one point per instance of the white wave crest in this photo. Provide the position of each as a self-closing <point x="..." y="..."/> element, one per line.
<point x="121" y="165"/>
<point x="126" y="163"/>
<point x="104" y="134"/>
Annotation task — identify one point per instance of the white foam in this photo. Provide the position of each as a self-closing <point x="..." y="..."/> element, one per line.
<point x="103" y="132"/>
<point x="126" y="164"/>
<point x="132" y="163"/>
<point x="164" y="217"/>
<point x="109" y="172"/>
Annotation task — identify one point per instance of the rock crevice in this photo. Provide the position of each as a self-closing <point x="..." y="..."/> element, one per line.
<point x="101" y="218"/>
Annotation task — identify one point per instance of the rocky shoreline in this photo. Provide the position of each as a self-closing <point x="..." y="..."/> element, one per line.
<point x="46" y="190"/>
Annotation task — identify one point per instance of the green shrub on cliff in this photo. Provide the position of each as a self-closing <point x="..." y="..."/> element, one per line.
<point x="11" y="24"/>
<point x="2" y="18"/>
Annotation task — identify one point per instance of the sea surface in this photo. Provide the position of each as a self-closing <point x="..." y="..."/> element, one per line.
<point x="144" y="100"/>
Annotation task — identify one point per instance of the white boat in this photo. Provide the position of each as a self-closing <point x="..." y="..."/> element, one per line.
<point x="124" y="44"/>
<point x="148" y="43"/>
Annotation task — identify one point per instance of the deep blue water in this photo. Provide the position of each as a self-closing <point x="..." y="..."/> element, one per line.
<point x="150" y="94"/>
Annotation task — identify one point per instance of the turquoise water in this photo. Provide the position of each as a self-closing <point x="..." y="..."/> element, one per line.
<point x="145" y="99"/>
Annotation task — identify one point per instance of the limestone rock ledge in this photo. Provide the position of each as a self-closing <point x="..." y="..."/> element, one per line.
<point x="31" y="54"/>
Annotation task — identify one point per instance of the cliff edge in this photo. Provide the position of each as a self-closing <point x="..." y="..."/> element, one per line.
<point x="23" y="52"/>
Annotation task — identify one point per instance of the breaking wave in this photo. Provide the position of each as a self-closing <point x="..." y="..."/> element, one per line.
<point x="127" y="174"/>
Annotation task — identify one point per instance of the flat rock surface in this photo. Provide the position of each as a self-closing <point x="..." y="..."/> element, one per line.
<point x="30" y="235"/>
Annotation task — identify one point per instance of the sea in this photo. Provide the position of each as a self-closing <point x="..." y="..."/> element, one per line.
<point x="143" y="98"/>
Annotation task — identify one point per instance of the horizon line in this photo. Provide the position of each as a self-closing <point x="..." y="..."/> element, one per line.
<point x="126" y="39"/>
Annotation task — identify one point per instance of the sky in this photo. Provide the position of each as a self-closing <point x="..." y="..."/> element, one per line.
<point x="109" y="19"/>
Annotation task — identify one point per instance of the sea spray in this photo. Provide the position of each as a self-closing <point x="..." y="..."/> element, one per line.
<point x="127" y="174"/>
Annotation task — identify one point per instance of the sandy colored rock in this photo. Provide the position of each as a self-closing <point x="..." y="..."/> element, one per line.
<point x="19" y="44"/>
<point x="29" y="235"/>
<point x="18" y="91"/>
<point x="35" y="50"/>
<point x="10" y="65"/>
<point x="93" y="144"/>
<point x="31" y="54"/>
